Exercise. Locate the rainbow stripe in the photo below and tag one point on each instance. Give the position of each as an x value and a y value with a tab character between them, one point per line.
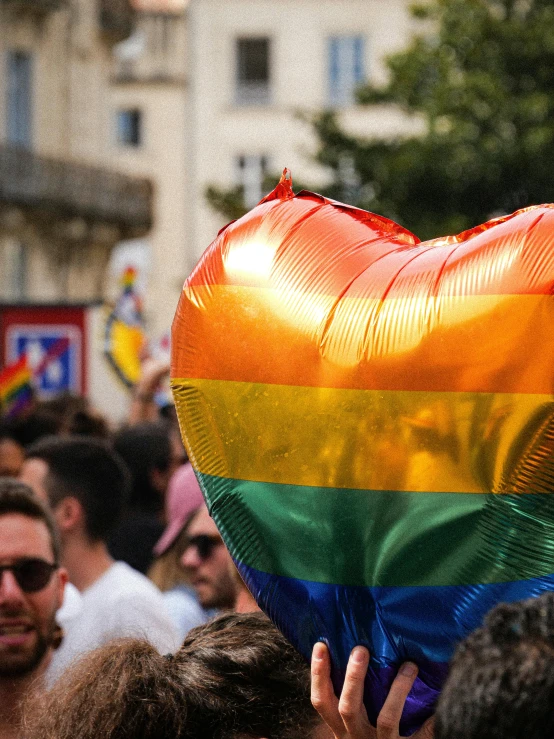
16	391
370	420
128	278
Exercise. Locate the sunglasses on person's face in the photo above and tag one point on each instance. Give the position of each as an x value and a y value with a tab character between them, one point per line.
205	544
31	574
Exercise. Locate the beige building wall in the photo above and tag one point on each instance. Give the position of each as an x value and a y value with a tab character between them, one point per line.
71	63
179	69
58	227
149	76
221	129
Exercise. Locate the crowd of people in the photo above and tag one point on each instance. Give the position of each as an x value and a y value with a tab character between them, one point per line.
122	615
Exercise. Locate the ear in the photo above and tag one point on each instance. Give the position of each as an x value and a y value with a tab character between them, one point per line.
69	514
63	579
159	480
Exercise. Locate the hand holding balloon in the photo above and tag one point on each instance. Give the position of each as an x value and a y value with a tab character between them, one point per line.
347	717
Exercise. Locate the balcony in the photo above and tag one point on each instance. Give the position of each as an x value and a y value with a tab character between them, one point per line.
117	20
34	6
57	189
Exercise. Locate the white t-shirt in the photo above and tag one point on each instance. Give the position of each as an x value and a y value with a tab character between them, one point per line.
184	609
121	603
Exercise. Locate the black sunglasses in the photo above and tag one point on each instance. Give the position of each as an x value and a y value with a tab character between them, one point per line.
205	544
31	574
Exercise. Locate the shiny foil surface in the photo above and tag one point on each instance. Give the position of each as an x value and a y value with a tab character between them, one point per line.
371	421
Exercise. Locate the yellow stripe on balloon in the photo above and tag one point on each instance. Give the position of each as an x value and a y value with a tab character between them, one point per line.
374	440
448	343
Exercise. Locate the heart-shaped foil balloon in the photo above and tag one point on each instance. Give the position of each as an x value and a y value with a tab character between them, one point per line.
371	421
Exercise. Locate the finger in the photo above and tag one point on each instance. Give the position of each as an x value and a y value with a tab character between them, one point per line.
388	720
323	696
351	703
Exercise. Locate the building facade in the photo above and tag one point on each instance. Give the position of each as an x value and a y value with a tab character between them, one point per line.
212	92
257	69
149	129
114	121
63	206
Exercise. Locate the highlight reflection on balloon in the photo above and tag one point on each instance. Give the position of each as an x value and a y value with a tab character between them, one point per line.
371	421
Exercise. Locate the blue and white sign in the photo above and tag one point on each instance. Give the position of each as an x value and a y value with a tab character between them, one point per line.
53	354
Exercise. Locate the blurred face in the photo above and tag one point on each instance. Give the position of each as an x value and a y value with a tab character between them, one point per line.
208	563
27	619
11	458
33	473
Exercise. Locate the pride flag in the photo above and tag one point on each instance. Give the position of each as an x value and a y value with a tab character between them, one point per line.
371	421
16	390
124	337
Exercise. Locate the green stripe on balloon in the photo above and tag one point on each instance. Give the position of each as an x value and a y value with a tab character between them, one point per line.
383	538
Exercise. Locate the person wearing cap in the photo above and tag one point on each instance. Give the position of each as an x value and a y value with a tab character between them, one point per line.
184	498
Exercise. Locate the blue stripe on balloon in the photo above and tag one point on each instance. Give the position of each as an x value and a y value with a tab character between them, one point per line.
421	624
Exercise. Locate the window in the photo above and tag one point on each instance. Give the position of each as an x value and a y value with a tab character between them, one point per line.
251	172
15	270
346	68
19	102
253	71
129	127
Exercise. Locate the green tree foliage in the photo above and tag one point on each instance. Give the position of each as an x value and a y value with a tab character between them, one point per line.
479	80
480	76
230	203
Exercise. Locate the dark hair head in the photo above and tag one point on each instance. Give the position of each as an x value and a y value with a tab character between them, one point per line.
89	470
87	423
16	497
242	678
145	448
124	690
36	425
236	677
501	681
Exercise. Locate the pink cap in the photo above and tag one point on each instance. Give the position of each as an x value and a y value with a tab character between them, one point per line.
184	498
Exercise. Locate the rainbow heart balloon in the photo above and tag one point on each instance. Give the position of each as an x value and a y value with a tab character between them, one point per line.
371	421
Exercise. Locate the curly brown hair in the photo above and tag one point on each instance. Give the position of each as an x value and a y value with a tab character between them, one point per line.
244	679
501	681
124	690
236	676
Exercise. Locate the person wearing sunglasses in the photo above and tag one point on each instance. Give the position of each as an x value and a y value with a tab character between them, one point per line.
31	591
208	563
84	482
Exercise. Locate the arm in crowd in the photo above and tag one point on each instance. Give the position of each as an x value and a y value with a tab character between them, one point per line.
143	406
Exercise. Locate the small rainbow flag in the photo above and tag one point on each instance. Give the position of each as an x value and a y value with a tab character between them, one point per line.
16	390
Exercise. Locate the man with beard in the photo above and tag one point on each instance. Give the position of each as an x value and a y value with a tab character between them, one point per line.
31	591
208	563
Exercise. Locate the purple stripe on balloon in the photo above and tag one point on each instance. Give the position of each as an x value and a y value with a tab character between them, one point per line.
419	705
397	624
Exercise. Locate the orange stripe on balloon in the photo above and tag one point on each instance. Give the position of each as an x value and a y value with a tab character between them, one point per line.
460	344
266	250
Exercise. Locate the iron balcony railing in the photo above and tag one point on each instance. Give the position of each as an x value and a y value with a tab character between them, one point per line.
117	19
35	6
74	190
